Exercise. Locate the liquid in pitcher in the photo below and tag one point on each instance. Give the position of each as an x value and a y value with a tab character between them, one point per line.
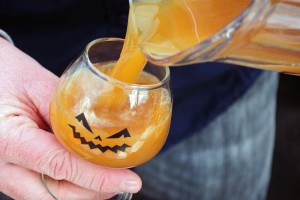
166	27
261	34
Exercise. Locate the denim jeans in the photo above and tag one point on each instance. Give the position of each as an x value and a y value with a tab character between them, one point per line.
230	159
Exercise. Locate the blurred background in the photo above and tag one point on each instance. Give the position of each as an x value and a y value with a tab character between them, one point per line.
285	179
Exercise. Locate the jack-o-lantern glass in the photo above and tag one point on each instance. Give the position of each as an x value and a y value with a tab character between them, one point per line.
106	121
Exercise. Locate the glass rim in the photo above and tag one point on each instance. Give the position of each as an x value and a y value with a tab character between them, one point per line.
206	43
116	81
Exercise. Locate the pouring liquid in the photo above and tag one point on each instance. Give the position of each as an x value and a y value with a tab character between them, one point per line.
163	28
167	27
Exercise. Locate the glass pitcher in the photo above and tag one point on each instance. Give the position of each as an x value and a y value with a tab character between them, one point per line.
265	34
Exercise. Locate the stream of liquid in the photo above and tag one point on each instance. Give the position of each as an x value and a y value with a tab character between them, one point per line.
168	27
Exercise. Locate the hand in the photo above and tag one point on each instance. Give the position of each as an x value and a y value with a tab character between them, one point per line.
28	149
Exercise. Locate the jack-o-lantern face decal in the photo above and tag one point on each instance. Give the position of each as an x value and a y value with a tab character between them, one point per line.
124	133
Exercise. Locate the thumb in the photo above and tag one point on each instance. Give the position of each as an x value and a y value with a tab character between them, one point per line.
25	76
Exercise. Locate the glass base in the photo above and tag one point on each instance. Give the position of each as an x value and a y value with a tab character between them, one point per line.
124	196
47	188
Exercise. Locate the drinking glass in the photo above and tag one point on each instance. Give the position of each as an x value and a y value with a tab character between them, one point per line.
106	121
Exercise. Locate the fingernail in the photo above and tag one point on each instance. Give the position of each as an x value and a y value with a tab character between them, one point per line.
130	186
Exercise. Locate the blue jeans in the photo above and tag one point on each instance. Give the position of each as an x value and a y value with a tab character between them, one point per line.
230	159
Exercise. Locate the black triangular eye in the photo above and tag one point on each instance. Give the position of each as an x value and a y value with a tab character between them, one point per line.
123	133
82	118
98	138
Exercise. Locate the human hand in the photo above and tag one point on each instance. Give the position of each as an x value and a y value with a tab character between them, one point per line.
28	149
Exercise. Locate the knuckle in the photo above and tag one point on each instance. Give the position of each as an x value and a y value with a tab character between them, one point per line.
4	140
9	137
4	147
13	126
95	180
57	165
102	182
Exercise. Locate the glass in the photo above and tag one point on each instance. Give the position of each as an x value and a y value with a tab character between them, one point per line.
265	34
106	121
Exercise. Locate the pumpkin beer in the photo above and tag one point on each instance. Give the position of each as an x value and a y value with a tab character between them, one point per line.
114	136
95	120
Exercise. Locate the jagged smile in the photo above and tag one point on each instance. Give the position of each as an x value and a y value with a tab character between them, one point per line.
124	133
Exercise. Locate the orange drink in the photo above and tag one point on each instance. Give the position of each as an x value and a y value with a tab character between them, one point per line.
124	134
254	33
113	108
114	111
166	27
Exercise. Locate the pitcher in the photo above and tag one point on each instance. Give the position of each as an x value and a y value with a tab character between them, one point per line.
263	34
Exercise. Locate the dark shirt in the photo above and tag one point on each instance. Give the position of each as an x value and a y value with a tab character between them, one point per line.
56	31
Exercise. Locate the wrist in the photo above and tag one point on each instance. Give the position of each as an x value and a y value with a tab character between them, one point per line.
5	36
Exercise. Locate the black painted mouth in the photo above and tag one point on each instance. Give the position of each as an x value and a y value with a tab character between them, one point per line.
92	145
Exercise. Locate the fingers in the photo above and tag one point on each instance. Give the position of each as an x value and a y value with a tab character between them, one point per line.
20	183
26	184
25	77
39	90
40	151
66	190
